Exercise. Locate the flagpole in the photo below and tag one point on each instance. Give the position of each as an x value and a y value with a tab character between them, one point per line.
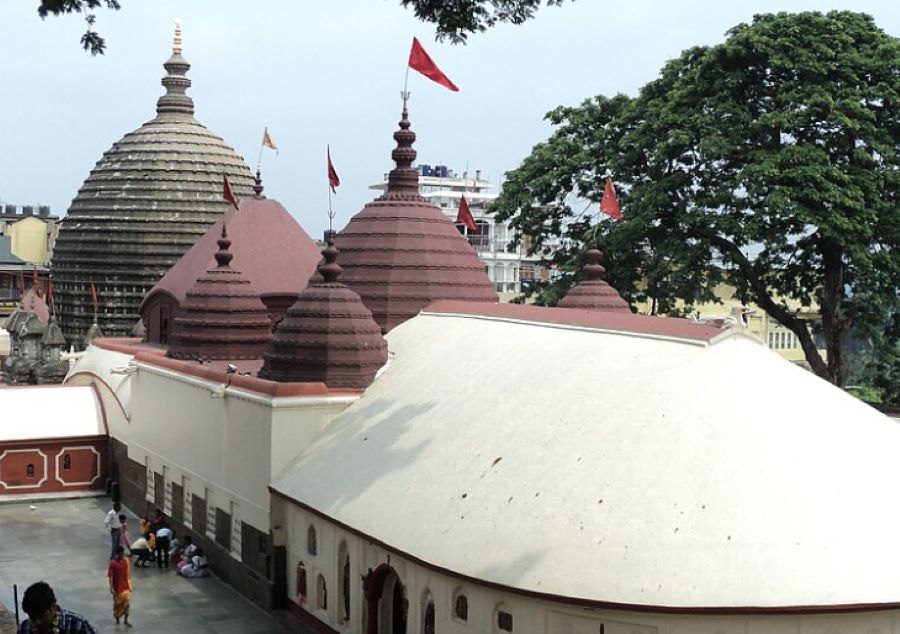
330	211
259	160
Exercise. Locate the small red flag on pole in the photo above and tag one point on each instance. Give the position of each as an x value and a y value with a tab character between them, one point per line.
227	192
464	215
420	61
49	290
94	294
333	179
608	204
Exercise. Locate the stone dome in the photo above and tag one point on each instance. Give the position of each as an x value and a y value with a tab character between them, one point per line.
327	336
147	200
401	253
593	293
221	315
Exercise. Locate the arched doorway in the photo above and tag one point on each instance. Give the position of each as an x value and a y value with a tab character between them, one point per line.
386	602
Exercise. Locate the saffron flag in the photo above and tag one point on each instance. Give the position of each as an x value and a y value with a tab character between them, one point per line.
333	179
267	140
464	215
608	204
94	293
227	192
420	60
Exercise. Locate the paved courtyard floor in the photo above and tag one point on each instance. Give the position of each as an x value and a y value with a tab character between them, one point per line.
64	543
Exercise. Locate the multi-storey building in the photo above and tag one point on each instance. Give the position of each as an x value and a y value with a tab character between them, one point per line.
508	265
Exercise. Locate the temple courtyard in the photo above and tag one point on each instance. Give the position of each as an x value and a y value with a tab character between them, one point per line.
64	543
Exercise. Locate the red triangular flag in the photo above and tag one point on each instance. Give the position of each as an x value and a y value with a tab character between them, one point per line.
333	179
49	290
94	294
608	204
227	192
464	215
420	60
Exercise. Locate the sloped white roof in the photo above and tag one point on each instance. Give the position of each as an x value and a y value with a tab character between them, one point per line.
614	466
45	412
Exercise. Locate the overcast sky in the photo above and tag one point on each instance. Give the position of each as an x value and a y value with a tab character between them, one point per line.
318	72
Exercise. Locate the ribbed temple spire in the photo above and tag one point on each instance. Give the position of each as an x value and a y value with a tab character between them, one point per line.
593	293
403	181
176	83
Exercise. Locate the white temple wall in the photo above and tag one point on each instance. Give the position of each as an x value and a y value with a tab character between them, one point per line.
530	615
181	426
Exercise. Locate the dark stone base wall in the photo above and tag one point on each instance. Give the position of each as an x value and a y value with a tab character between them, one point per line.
252	577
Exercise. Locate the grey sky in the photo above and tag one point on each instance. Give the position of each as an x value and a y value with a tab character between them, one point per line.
330	72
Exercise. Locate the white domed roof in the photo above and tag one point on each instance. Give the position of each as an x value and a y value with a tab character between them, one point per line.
614	458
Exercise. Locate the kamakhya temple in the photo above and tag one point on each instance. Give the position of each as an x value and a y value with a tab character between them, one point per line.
364	435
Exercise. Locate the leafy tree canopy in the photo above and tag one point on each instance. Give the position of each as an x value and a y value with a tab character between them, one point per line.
769	162
454	19
91	40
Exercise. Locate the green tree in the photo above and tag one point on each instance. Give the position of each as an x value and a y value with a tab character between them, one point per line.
769	161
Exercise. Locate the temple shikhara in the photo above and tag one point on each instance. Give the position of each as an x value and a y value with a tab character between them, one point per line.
361	432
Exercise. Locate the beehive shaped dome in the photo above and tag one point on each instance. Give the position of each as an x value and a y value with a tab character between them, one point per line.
593	293
401	253
327	336
222	317
147	200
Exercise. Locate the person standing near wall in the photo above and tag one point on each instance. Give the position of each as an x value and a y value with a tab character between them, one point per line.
114	526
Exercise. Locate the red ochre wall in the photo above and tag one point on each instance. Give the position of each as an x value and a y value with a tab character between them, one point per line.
85	470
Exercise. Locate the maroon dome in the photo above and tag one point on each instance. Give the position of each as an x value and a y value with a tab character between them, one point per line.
221	316
401	253
328	336
592	293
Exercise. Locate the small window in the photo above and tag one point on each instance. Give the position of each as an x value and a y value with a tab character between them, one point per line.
504	621
346	588
461	607
29	470
311	540
428	621
67	462
301	583
321	593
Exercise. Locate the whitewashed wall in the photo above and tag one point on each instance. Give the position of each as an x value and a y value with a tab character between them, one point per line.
530	616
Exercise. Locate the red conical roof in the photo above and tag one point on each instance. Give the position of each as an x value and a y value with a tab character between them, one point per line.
222	317
327	336
592	293
401	253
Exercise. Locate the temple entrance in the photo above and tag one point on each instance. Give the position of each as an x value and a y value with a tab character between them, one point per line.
386	602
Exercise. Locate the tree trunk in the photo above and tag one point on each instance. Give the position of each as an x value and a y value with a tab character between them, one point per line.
834	324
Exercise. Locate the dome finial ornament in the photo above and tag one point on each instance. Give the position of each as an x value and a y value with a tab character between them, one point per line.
330	270
176	41
223	255
258	186
403	180
176	101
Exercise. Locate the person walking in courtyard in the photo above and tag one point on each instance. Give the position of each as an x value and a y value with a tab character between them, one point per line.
45	615
119	573
114	527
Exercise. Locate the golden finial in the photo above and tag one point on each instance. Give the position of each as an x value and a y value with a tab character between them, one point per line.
176	41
